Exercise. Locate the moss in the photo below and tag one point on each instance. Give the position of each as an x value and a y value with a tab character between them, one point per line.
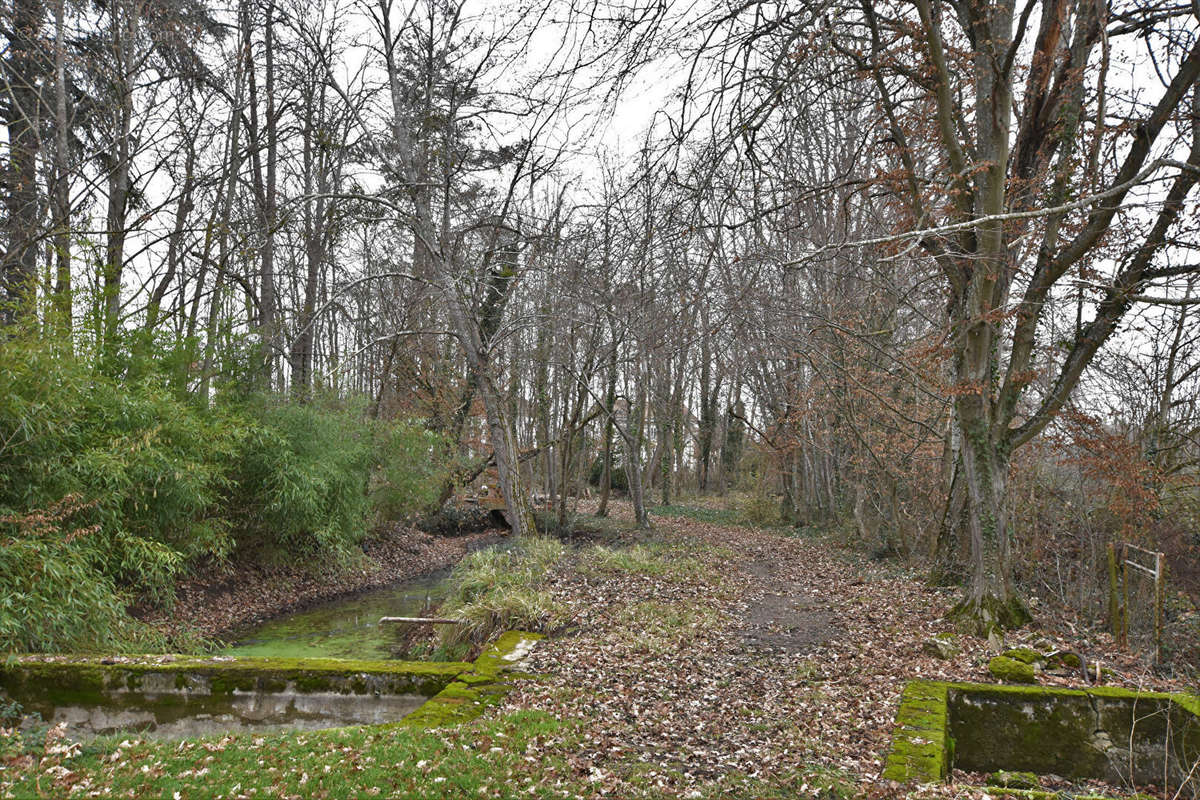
1063	661
459	691
1010	669
1013	780
1026	655
982	727
44	685
483	685
989	614
920	745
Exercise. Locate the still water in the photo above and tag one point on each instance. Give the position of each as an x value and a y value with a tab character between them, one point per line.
345	628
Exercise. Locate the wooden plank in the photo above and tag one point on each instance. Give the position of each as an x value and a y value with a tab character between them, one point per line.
421	620
1152	573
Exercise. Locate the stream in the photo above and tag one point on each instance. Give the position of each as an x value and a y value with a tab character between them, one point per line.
348	627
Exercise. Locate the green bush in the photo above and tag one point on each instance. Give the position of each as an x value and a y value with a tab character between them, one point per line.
412	468
162	483
149	466
52	596
760	509
300	480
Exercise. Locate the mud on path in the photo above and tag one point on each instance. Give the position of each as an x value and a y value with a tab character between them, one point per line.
781	617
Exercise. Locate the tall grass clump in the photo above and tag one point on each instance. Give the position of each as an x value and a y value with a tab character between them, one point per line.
501	589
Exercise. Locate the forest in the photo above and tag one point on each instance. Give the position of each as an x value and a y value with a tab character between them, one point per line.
828	344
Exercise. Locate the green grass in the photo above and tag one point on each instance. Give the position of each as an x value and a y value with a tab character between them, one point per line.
499	590
524	754
717	516
481	760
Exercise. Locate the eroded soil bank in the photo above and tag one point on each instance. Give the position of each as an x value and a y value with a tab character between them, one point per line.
223	600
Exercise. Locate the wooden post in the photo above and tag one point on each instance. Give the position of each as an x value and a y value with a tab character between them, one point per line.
1124	596
1114	599
1160	596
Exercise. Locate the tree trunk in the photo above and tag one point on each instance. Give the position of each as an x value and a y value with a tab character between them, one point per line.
18	266
61	191
610	403
124	36
990	602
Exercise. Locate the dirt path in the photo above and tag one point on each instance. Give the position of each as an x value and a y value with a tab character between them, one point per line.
780	618
754	660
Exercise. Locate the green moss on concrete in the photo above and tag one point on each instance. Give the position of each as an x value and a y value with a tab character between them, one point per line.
921	747
1009	669
1070	732
459	690
45	684
483	685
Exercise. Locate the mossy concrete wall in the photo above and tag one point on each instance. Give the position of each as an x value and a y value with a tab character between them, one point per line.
490	678
180	696
1107	733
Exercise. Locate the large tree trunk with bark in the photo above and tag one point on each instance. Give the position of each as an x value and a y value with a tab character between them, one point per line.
990	601
22	79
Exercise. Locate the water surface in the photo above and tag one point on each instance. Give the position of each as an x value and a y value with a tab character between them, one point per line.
348	627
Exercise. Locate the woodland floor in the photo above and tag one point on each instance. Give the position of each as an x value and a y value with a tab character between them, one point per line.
722	661
789	670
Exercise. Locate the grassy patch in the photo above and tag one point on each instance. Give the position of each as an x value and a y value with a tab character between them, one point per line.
486	759
717	516
739	509
645	559
498	590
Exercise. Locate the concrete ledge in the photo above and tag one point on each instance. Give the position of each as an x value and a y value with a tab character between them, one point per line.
487	681
186	695
1076	733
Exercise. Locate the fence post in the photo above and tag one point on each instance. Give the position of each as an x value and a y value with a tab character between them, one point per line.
1114	599
1124	596
1160	592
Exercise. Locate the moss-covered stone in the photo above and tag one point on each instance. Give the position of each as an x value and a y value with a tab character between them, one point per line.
1063	660
1013	780
1026	655
942	645
1009	669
